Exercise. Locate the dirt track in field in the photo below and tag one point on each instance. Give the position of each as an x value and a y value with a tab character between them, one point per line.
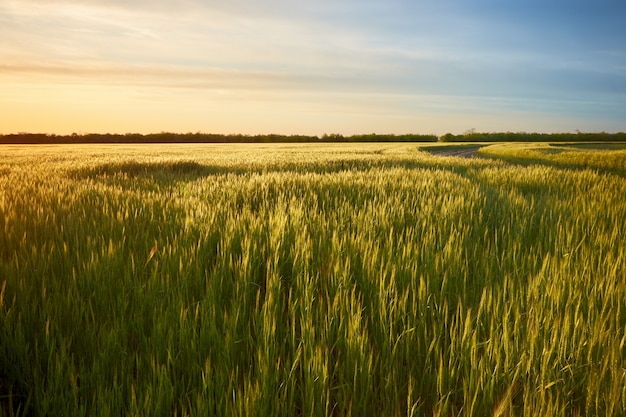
462	153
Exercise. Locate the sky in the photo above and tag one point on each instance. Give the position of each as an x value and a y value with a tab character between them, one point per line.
312	67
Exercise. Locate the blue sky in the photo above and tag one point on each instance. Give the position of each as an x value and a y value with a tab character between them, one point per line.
295	67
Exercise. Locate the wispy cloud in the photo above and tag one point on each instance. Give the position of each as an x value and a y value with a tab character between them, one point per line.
179	77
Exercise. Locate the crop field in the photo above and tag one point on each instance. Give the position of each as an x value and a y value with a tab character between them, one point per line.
312	280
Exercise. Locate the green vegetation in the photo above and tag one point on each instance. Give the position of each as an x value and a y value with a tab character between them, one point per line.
311	280
600	157
594	145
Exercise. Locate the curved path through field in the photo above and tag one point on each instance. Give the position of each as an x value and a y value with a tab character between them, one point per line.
465	152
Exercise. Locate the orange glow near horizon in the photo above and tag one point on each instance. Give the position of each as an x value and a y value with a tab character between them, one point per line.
120	67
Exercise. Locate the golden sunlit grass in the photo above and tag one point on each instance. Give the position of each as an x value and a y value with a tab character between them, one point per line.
345	279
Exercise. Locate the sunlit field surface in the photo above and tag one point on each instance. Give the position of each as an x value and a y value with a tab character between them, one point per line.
312	280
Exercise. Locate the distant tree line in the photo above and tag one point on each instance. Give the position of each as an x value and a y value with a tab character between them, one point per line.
373	137
472	136
167	137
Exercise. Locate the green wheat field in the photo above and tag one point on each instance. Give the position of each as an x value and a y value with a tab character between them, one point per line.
312	280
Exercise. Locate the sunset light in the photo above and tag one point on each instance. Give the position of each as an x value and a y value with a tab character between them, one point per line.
311	67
